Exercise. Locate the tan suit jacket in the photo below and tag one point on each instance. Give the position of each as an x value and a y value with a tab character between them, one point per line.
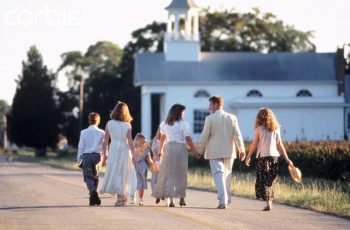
220	136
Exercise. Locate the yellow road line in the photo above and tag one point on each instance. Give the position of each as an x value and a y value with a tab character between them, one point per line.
189	218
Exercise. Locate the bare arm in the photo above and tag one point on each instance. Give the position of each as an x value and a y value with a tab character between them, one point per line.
190	143
131	145
252	147
282	151
161	145
105	146
149	159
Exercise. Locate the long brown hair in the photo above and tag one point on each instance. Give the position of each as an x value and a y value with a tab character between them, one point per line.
121	112
175	114
267	119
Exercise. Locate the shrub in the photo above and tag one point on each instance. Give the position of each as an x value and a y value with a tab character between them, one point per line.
321	159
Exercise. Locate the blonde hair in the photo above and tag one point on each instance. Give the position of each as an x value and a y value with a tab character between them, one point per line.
121	112
140	149
267	119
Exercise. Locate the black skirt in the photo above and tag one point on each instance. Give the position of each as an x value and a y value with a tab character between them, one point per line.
266	173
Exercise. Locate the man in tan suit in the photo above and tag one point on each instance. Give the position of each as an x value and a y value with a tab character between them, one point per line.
220	136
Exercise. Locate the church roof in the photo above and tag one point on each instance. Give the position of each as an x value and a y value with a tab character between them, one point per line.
181	4
216	67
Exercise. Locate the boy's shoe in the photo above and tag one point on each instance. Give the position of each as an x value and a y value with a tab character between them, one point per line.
95	198
157	201
140	203
222	206
124	200
91	201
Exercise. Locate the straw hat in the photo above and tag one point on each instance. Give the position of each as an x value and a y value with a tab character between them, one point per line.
295	173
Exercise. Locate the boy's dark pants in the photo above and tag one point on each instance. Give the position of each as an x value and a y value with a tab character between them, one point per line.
90	170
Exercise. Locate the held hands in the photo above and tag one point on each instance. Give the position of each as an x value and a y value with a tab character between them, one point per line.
196	154
241	156
104	159
247	161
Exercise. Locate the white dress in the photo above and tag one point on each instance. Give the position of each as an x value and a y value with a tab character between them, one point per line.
120	177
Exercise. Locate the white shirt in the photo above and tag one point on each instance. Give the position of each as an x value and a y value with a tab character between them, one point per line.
267	145
176	132
90	141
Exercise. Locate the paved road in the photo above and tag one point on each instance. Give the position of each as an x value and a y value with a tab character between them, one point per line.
34	196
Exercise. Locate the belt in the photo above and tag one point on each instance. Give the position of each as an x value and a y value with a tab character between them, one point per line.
91	153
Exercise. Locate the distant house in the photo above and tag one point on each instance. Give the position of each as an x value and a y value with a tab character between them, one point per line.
305	90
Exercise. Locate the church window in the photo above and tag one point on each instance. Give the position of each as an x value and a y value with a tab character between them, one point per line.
199	117
304	93
254	93
202	93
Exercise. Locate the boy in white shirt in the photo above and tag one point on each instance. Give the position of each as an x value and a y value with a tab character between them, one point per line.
89	149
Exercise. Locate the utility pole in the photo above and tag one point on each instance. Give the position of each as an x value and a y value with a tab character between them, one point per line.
81	103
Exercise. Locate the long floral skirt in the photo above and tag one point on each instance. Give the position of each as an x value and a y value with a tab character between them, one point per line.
266	173
172	175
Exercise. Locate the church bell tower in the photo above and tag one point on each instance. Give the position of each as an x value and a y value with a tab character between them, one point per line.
182	41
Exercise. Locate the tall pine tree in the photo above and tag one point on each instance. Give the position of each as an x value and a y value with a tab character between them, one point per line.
33	120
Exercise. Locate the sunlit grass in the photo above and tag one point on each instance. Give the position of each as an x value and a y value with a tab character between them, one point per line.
332	197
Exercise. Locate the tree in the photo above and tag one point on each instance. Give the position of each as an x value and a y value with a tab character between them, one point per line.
4	108
101	59
257	32
147	39
33	119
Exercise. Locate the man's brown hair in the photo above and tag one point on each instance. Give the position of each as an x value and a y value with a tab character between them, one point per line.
217	100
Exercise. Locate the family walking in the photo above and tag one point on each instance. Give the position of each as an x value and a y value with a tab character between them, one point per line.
127	160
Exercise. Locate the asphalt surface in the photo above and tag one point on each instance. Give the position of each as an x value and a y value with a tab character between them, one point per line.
33	196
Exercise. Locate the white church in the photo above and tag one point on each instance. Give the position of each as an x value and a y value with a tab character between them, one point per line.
305	90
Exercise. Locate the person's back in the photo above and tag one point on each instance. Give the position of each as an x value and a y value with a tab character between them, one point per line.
223	131
118	130
89	149
218	141
120	177
267	145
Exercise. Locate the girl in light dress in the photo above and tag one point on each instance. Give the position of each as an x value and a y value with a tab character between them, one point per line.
119	178
142	154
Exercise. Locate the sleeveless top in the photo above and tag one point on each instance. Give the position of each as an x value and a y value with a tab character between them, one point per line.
267	145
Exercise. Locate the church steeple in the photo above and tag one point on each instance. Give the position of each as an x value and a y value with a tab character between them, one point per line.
182	37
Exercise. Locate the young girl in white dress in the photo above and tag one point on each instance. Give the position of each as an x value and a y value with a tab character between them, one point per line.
120	172
142	154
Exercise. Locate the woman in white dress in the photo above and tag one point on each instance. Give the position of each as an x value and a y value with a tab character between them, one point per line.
120	176
172	178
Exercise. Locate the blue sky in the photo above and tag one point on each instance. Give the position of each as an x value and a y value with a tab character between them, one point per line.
57	26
